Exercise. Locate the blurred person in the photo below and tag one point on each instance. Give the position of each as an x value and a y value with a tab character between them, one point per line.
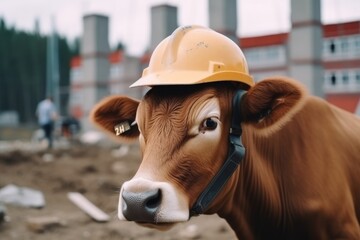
47	114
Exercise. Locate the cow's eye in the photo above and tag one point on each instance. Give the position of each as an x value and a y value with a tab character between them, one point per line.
209	124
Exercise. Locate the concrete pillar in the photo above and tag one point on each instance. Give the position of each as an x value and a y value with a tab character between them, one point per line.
130	73
305	45
223	17
163	23
95	63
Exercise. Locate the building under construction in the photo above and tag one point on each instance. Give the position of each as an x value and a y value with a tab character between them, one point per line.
326	58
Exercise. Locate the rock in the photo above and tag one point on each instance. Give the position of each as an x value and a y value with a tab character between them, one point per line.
2	213
91	137
190	232
119	168
22	196
42	224
120	152
48	157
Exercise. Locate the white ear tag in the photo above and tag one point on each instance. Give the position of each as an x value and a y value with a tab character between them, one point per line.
121	128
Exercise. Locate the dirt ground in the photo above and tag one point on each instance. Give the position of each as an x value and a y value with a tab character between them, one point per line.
97	173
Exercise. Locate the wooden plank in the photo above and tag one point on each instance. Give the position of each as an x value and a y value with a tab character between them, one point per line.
88	207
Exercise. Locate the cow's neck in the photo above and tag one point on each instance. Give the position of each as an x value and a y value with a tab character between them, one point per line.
257	199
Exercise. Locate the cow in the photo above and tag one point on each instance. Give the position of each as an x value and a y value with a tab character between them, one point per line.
272	160
299	179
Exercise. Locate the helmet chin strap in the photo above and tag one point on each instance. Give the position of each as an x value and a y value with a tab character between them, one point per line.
236	153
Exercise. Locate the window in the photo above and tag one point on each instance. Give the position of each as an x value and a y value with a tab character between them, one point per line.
272	53
252	55
325	46
357	44
345	78
332	47
116	70
342	80
333	79
75	74
357	77
344	45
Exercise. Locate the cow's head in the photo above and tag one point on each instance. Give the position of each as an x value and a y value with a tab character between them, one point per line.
183	133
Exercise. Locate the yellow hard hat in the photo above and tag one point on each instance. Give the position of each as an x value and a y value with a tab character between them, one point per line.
193	55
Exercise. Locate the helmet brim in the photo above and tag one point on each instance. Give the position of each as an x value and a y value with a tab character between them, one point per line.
191	77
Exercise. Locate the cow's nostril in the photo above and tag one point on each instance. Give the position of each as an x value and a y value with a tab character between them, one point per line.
141	206
154	200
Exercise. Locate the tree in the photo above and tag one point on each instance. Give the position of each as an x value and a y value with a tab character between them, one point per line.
23	71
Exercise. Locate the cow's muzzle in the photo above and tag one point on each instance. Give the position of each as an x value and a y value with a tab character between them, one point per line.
151	202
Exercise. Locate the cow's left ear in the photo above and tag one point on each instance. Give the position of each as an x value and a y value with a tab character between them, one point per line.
272	102
116	116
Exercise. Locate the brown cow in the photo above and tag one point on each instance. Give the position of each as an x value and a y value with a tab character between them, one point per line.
299	179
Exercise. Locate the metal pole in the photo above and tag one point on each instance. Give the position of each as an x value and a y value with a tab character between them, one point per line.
52	67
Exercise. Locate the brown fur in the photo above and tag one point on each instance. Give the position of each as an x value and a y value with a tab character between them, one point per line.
112	111
165	123
300	176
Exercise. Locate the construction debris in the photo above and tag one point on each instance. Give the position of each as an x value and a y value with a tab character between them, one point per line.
42	224
190	232
88	207
21	196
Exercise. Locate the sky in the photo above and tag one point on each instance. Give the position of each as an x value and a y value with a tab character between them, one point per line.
129	20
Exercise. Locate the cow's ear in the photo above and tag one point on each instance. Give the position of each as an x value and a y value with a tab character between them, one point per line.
116	116
272	102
